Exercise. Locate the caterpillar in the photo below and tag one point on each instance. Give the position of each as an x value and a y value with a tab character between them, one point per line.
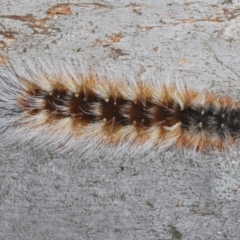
76	111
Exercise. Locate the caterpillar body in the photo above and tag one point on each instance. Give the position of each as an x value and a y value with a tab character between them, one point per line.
79	112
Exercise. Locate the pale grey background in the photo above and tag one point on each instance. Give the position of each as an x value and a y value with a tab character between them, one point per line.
170	196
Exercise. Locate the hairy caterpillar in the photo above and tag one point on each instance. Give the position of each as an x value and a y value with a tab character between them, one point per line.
49	106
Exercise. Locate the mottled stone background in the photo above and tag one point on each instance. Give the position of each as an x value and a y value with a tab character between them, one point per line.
170	196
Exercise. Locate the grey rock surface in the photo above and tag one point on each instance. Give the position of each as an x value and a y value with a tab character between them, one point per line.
170	196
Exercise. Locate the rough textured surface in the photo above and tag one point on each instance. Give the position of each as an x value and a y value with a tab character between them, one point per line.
170	196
